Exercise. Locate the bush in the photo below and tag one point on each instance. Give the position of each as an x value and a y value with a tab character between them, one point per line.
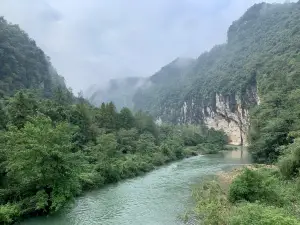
289	163
212	205
8	213
209	148
257	214
158	159
254	186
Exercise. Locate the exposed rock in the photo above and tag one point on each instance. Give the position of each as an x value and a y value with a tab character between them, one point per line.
234	123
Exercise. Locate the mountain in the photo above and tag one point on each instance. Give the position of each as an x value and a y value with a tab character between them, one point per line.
122	91
23	65
240	86
223	84
164	85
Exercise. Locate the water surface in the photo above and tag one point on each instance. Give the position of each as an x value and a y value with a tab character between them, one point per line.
158	198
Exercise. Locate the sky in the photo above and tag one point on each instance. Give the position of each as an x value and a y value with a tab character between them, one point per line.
92	41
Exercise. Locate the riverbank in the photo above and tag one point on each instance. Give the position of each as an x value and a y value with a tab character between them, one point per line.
127	167
253	194
158	197
47	159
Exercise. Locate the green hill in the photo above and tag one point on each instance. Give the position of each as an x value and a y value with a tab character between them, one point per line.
23	65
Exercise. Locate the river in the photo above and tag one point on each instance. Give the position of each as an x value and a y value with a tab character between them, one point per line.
158	198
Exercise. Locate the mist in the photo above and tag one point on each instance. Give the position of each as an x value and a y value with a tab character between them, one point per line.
90	42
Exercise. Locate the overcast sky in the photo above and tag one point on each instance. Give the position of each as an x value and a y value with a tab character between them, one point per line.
91	41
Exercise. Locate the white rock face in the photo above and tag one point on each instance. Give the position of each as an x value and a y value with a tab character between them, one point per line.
232	119
234	124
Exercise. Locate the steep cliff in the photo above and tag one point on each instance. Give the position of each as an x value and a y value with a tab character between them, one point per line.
225	112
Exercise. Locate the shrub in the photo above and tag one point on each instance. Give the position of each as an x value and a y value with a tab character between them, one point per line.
289	163
209	148
212	205
8	213
254	186
257	214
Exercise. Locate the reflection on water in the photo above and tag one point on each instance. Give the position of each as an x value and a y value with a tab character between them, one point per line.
241	154
154	199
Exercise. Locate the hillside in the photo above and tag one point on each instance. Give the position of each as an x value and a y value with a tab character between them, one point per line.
259	64
23	65
135	92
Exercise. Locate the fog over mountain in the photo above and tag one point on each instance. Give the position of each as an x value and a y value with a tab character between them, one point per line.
91	42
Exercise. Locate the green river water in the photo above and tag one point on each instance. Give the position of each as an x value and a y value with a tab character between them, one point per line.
158	198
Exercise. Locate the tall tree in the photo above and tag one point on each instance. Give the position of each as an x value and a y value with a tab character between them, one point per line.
126	119
41	163
20	107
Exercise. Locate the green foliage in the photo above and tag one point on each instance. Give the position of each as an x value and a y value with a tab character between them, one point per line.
257	214
289	163
3	117
257	196
146	143
9	212
212	206
106	117
145	123
127	140
125	119
20	107
82	117
41	162
23	65
254	186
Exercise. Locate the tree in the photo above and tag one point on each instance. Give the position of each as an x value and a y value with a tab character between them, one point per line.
82	117
42	163
20	107
106	117
145	123
3	116
127	140
125	119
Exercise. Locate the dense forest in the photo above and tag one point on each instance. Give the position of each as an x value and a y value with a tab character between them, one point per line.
53	145
23	65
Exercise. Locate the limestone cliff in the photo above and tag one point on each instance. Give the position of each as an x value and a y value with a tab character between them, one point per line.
234	123
229	113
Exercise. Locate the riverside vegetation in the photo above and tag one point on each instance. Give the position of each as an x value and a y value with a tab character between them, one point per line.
53	149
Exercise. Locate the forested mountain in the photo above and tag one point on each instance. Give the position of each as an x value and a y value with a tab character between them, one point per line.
129	91
259	64
164	86
23	65
266	34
